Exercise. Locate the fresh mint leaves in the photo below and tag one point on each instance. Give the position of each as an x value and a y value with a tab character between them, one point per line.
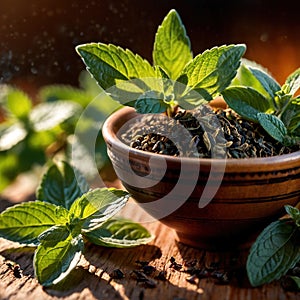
256	96
276	250
34	130
172	47
176	79
66	213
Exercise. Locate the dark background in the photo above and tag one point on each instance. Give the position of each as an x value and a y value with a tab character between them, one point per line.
38	37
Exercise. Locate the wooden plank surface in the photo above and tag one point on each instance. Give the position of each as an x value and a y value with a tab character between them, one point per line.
92	278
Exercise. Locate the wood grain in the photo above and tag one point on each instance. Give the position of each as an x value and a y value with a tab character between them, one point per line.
91	279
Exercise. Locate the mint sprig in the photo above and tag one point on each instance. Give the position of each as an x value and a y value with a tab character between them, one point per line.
32	130
172	47
69	213
176	78
256	96
276	250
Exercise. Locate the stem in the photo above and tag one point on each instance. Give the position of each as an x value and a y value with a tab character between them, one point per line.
286	104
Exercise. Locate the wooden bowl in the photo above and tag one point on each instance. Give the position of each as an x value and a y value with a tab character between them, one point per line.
244	195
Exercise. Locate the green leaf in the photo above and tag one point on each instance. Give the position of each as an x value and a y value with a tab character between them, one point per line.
274	252
61	185
11	134
97	206
193	98
247	102
109	64
9	168
291	116
24	222
273	126
172	49
54	234
46	116
150	102
214	69
89	84
19	104
246	78
294	213
293	82
119	233
54	260
296	279
52	93
268	83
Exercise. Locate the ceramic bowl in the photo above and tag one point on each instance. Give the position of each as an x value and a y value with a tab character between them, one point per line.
241	196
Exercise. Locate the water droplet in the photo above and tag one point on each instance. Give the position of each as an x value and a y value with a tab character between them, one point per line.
33	70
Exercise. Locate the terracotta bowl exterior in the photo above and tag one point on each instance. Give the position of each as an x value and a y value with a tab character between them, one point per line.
252	193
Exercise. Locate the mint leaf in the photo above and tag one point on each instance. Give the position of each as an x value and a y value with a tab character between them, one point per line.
192	98
244	77
246	101
172	46
89	84
46	116
293	82
268	83
273	126
19	104
54	234
150	102
54	260
24	222
119	233
11	134
61	185
294	213
291	116
57	92
274	252
109	64
97	206
214	69
296	279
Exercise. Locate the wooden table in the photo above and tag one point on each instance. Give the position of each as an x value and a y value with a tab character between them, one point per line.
92	278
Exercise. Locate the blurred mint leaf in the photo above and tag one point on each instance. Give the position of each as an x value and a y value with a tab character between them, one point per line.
172	49
119	233
9	163
53	93
11	135
18	103
89	84
24	222
46	116
54	259
273	126
274	252
61	185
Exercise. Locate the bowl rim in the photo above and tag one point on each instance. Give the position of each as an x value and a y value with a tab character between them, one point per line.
117	119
